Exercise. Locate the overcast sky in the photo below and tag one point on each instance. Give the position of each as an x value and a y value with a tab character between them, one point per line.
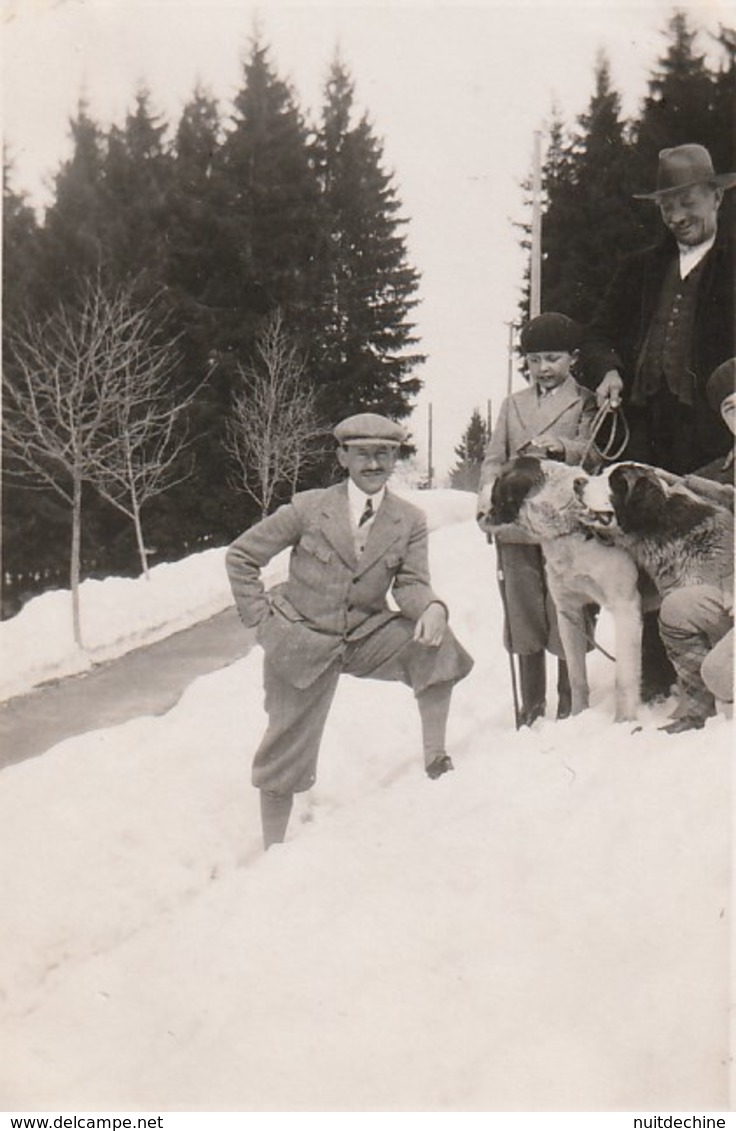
456	92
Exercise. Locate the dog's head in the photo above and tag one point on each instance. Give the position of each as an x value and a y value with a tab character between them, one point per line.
630	497
541	496
518	479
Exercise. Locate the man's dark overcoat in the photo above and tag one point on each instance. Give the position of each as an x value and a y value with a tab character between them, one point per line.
617	333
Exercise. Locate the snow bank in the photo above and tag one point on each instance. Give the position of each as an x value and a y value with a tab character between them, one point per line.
119	614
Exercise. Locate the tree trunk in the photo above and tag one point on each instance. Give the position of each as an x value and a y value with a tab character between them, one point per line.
141	545
75	560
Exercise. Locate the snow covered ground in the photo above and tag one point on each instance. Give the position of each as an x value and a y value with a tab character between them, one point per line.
546	929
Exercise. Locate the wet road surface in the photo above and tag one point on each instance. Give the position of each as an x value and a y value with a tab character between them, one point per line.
147	681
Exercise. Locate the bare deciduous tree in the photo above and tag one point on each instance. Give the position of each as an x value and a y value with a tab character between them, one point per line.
146	439
273	419
68	384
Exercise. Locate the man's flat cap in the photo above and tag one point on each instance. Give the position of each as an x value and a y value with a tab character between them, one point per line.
369	428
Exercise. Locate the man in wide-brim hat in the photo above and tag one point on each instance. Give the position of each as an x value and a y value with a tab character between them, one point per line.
666	322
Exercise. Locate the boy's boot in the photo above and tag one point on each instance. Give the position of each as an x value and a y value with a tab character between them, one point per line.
533	679
564	694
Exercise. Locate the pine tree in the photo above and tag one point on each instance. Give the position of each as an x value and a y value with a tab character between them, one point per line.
243	202
679	106
20	258
200	293
75	232
367	287
137	176
591	217
268	222
32	522
723	137
470	453
194	203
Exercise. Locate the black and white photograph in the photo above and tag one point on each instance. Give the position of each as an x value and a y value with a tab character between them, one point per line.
366	653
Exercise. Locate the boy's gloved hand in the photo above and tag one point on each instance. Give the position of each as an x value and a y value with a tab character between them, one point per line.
544	447
483	508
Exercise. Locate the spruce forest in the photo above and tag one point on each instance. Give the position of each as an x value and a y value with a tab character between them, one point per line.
202	300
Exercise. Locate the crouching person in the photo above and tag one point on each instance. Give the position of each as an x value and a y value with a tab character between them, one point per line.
696	622
351	543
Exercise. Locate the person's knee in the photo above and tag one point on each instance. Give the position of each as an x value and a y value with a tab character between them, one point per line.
693	608
717	669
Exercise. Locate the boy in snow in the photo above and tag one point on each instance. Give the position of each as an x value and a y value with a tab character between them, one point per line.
551	419
351	544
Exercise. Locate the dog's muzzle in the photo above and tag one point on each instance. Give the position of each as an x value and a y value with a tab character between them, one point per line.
595	496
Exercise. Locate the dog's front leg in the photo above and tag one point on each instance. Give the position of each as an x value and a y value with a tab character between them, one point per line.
627	620
571	623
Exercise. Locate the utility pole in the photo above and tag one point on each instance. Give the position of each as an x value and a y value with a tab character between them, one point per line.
430	469
510	359
535	274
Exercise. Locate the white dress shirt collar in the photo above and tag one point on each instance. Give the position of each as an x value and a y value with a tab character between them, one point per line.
357	500
690	257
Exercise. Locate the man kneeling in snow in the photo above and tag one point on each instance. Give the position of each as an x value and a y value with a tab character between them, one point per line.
351	544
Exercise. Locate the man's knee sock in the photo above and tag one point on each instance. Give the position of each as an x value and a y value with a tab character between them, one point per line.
275	813
434	709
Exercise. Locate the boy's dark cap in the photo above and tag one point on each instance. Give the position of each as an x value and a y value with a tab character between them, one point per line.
721	383
554	332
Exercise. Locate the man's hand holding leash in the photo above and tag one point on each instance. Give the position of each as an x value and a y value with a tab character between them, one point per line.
609	390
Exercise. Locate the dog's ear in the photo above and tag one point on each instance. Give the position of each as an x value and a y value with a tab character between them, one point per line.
516	480
642	511
621	480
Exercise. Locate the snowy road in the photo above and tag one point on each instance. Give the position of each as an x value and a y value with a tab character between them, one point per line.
147	681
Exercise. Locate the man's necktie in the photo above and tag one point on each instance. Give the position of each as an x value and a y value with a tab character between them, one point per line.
367	514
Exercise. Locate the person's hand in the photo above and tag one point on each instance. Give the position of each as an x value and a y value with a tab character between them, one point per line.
544	448
609	390
430	628
483	506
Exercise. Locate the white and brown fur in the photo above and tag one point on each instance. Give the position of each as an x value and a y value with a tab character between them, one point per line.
678	537
542	497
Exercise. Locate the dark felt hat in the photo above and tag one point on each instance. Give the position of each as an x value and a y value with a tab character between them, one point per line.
369	428
684	166
551	331
721	383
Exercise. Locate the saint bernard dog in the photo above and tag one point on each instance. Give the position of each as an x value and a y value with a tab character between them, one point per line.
676	535
543	498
